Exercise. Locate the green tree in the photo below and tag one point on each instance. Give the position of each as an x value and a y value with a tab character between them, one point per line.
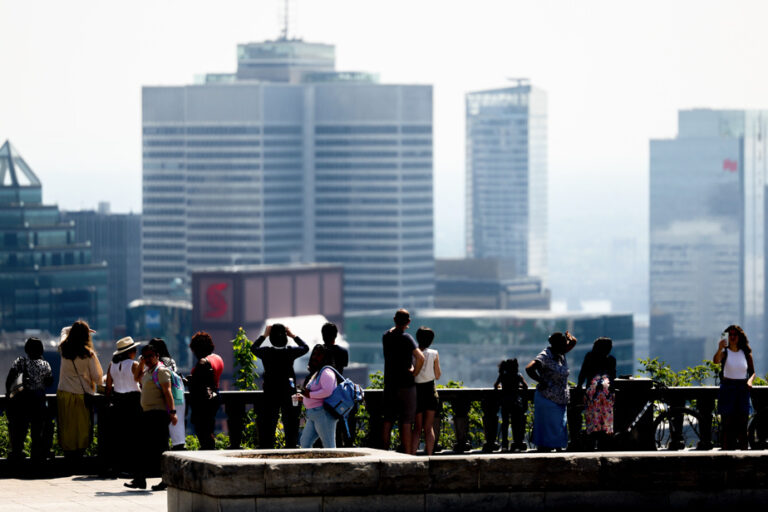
245	362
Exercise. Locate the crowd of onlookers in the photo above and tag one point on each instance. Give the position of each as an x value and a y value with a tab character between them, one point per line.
145	395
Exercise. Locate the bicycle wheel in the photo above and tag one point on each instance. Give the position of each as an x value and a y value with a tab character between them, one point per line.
677	430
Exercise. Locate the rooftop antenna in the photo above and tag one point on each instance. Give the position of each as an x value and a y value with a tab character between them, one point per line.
518	81
285	20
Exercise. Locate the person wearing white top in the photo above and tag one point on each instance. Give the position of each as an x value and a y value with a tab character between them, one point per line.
124	413
738	372
427	400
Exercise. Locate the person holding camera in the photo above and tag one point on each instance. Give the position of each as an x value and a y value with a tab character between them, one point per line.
737	373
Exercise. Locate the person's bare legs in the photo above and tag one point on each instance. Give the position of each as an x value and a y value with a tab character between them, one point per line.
429	431
416	432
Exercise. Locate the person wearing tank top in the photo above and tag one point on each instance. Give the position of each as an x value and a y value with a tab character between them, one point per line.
427	400
734	355
123	415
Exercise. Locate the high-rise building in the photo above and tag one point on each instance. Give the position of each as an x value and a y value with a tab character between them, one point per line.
116	239
506	179
47	278
707	233
289	161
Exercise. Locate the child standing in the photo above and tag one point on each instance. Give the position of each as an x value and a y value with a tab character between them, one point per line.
513	403
426	393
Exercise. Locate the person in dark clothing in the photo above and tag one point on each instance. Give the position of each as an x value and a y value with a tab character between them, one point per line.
339	354
28	408
402	361
513	403
279	384
204	388
340	360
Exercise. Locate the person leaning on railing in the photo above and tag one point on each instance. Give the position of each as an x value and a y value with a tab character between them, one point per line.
738	371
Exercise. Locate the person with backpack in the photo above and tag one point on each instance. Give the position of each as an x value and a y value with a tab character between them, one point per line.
319	385
27	407
157	413
178	431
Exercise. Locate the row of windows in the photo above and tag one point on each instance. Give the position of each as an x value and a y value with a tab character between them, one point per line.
163	177
170	258
224	143
224	167
202	130
360	165
164	247
224	225
163	223
371	130
201	155
283	130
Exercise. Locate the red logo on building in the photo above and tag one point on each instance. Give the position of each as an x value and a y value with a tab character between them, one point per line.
730	165
214	298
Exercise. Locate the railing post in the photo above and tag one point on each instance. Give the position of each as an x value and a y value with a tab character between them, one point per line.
373	405
461	424
705	406
490	405
234	407
677	438
574	409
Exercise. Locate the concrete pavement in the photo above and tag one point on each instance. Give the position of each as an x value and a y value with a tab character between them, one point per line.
77	494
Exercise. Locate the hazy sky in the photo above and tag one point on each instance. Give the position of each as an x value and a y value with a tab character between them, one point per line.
616	73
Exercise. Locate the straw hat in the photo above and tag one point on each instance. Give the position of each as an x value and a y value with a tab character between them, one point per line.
124	345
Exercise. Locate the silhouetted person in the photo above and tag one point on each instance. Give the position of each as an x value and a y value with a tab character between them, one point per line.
513	404
278	375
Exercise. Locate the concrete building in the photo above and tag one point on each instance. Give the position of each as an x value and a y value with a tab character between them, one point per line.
486	284
506	178
289	161
707	233
471	343
47	279
227	298
116	239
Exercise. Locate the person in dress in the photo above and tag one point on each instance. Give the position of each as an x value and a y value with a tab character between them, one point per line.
79	373
550	370
734	355
598	371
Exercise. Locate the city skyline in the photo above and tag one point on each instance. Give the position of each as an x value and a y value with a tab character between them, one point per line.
76	75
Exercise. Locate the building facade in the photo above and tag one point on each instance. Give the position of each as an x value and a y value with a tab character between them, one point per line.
116	239
288	161
47	279
471	343
707	233
506	178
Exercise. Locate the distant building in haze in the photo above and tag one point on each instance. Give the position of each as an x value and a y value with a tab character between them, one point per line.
116	239
47	279
506	178
486	284
708	233
289	161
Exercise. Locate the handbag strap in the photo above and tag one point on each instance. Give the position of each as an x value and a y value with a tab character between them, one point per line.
78	377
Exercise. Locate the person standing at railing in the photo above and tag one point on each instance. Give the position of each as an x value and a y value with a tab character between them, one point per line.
736	376
550	370
319	384
598	371
79	373
124	415
204	388
427	400
27	408
279	384
402	361
178	431
513	404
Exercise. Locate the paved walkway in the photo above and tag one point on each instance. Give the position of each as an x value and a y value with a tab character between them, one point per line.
77	494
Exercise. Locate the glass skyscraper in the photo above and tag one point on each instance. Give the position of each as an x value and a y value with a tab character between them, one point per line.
287	160
707	233
47	279
506	179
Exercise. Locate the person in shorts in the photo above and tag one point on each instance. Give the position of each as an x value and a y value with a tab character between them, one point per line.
402	360
427	401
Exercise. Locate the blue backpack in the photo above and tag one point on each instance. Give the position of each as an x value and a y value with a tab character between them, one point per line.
344	398
177	384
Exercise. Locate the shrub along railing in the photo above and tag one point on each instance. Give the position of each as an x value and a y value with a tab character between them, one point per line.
647	416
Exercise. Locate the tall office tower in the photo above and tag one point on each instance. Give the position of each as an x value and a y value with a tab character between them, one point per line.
47	279
116	239
707	233
288	161
506	188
